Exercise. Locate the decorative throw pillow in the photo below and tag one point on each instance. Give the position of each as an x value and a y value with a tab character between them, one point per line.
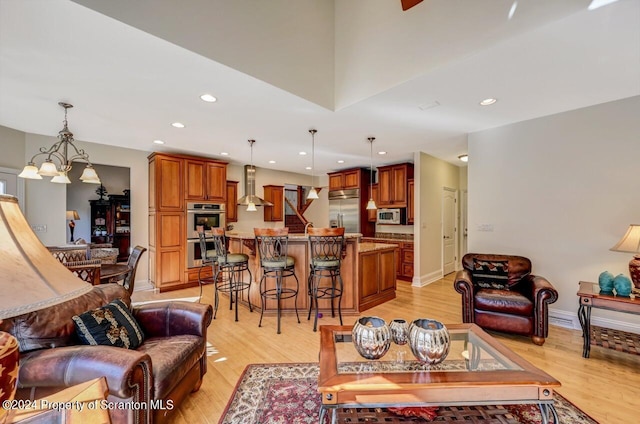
111	325
491	274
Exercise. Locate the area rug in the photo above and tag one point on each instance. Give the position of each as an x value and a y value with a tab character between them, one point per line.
287	394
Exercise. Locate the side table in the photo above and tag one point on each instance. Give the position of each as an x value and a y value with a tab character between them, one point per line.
590	297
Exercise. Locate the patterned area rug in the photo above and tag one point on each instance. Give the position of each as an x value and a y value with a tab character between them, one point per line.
287	394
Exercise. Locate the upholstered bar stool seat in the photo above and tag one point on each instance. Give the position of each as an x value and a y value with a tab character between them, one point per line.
276	264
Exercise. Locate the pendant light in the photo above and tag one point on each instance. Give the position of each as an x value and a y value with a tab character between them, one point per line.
251	207
60	157
371	205
313	194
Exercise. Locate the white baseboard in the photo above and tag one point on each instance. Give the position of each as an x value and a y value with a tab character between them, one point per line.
425	280
143	285
568	319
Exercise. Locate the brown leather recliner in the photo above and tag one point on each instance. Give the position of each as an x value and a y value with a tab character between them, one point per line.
166	367
500	293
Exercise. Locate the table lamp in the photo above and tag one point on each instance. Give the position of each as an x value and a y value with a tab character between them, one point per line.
630	242
71	215
32	279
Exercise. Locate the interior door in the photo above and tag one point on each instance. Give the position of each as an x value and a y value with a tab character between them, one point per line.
449	202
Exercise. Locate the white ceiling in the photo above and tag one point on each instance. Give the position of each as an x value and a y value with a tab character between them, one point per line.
351	69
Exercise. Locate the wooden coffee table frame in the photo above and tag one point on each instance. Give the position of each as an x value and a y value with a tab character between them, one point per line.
527	384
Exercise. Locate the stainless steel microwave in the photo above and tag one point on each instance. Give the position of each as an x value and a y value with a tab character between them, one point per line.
391	216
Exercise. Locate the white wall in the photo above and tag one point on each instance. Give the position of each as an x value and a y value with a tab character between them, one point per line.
12	144
431	176
560	190
46	202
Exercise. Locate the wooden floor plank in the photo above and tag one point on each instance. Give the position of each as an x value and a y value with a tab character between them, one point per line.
606	386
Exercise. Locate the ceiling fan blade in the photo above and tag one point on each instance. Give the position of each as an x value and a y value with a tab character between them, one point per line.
408	4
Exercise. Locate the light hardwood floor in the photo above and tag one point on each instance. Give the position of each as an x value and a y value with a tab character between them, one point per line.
606	386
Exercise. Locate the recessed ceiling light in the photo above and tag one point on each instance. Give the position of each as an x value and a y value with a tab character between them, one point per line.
302	153
177	125
382	153
272	161
307	167
464	158
340	161
158	141
224	153
208	98
487	102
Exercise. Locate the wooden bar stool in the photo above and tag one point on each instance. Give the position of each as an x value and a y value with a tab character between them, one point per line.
272	246
233	264
325	281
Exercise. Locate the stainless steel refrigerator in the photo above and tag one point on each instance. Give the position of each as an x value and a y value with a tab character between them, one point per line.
344	210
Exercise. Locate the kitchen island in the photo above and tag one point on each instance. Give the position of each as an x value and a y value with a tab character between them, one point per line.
368	274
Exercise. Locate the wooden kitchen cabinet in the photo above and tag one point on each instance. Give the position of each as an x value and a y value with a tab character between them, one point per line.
393	185
406	261
410	201
372	214
377	278
165	183
205	180
175	179
275	195
345	180
232	201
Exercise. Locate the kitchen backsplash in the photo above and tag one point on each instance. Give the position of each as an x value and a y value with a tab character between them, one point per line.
394	229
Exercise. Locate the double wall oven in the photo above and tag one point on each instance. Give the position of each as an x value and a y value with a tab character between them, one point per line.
201	217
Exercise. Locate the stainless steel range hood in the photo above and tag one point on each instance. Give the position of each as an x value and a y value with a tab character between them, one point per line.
250	189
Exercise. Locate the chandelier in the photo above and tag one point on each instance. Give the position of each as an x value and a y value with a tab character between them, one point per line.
59	159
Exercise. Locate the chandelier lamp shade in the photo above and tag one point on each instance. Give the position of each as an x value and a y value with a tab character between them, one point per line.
313	193
371	204
59	158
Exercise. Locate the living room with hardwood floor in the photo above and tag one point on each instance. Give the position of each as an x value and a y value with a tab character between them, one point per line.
606	386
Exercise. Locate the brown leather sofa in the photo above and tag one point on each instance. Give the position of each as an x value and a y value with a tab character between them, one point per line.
517	304
169	364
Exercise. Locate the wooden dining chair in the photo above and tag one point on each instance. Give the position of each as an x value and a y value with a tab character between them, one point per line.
69	253
88	270
132	263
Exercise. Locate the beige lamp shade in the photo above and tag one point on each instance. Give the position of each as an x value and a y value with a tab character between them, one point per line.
630	242
72	215
32	278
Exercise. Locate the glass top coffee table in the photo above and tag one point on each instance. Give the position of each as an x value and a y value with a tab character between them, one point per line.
479	370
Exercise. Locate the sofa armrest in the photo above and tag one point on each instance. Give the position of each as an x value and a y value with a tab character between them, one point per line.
128	372
172	318
543	294
542	291
464	286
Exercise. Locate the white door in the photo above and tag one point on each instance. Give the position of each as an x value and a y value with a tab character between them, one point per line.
449	216
463	223
11	184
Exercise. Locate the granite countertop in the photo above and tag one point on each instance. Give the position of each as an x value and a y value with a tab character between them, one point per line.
392	237
369	247
248	235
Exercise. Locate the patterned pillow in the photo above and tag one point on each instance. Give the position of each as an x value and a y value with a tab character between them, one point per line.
491	274
111	325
